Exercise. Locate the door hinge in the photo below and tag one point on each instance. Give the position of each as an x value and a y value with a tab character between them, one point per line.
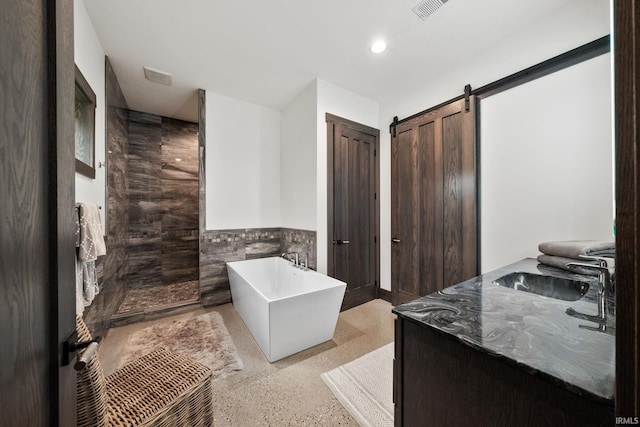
375	239
375	196
375	152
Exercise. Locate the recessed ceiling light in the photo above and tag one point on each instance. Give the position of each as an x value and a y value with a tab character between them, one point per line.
178	160
378	46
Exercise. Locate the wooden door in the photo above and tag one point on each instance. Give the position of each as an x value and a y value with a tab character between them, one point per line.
37	273
417	210
433	201
353	254
627	151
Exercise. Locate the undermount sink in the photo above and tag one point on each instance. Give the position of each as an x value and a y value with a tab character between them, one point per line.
548	286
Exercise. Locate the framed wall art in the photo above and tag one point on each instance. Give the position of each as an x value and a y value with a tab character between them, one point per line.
85	118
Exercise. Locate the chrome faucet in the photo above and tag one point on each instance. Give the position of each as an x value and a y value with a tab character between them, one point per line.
293	257
606	290
305	262
605	276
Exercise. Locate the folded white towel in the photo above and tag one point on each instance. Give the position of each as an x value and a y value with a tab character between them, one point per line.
91	239
575	248
561	262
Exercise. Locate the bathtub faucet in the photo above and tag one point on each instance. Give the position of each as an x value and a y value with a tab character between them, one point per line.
294	257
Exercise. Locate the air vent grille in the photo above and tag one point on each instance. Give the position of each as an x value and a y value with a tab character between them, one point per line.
157	76
427	7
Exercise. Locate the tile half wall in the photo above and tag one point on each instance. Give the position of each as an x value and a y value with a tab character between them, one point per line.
217	247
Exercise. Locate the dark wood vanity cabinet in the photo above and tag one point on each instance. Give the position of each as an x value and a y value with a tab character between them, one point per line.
440	381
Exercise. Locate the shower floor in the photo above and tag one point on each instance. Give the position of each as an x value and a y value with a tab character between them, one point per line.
144	303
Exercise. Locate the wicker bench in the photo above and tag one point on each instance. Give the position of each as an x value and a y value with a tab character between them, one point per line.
159	389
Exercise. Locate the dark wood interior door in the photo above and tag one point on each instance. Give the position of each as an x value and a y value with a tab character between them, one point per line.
354	211
37	271
433	202
627	151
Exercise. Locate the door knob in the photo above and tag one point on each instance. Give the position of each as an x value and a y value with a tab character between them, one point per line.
342	242
395	240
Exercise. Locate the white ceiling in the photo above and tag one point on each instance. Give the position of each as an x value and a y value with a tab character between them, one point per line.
266	52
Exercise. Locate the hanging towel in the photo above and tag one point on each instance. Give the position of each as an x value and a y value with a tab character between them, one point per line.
77	219
91	237
86	284
90	245
79	287
561	262
575	248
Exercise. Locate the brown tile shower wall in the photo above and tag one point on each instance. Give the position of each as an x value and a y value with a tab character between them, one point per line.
145	200
217	247
112	268
202	142
152	204
179	201
163	200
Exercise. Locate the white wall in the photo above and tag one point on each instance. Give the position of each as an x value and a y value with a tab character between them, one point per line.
242	164
89	57
298	162
568	27
546	163
259	177
339	102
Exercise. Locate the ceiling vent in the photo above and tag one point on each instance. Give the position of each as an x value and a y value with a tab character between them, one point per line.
427	7
157	76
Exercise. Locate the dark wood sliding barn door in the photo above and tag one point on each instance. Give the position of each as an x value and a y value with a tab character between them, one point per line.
433	207
353	214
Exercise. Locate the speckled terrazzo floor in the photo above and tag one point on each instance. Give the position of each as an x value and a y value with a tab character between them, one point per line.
290	391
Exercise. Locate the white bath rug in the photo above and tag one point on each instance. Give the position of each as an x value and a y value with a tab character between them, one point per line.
365	387
203	338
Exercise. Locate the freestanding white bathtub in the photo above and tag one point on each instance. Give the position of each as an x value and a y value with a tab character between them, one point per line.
285	308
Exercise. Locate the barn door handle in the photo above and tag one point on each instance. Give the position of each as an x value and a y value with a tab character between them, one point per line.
342	242
395	240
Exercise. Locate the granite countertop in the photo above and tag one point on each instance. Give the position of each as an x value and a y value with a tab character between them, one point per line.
530	331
